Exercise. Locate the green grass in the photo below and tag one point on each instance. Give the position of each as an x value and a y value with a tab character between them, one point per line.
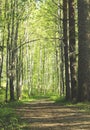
8	117
84	106
2	94
60	100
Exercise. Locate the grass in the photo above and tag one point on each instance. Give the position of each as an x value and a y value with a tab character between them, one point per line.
60	100
83	106
9	120
2	94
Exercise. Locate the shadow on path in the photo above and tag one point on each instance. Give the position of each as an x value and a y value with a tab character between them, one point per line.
46	115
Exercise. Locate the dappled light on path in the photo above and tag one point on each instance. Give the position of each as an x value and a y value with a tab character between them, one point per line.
47	115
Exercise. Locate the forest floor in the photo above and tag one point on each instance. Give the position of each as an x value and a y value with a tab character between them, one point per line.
48	115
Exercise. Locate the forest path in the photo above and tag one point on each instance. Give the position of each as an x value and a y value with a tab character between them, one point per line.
47	115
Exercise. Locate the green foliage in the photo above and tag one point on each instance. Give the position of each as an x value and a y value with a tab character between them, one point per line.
36	60
24	0
60	100
8	119
2	94
84	106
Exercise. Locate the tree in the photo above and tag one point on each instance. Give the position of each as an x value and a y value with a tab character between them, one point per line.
72	49
12	26
2	39
84	50
66	49
40	63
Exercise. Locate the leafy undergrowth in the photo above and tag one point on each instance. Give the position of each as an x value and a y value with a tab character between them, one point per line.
8	117
82	106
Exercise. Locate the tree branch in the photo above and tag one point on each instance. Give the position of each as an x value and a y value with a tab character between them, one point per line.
25	44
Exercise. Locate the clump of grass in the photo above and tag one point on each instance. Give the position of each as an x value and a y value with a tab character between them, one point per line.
2	94
8	117
84	106
60	100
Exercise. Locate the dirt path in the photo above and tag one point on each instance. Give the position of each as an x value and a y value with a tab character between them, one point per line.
46	115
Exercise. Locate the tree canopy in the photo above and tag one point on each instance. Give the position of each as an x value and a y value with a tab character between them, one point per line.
44	49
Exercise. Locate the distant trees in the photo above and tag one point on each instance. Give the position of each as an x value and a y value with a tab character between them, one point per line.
12	20
2	40
38	48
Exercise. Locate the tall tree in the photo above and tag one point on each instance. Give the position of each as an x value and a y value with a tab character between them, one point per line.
72	46
11	51
84	50
2	39
66	49
12	37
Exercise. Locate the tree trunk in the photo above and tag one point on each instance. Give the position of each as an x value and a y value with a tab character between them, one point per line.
65	40
11	52
7	48
7	62
11	89
72	44
84	50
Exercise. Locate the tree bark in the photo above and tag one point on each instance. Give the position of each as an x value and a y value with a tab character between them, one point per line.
72	48
84	50
66	47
